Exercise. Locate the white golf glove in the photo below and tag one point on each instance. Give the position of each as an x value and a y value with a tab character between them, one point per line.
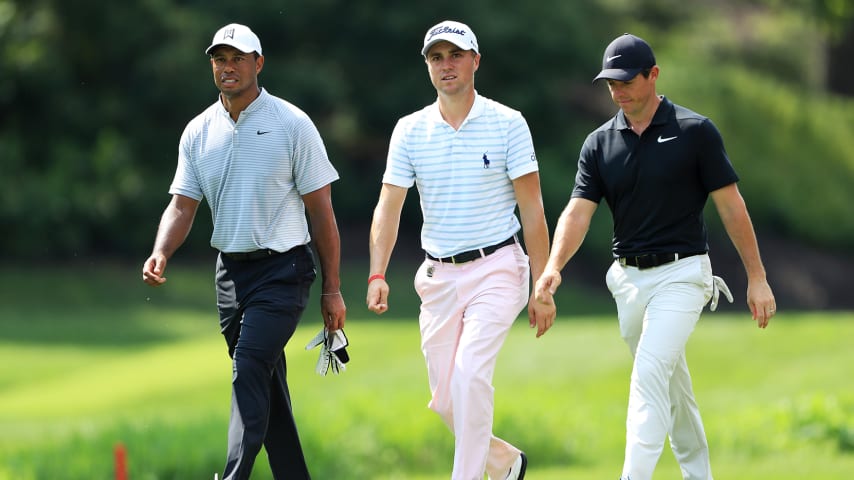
333	354
718	286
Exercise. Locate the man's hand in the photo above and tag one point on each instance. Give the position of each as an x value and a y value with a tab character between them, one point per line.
541	306
761	300
152	270
541	313
334	311
378	296
546	285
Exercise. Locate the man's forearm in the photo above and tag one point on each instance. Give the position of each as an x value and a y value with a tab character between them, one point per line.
328	244
175	225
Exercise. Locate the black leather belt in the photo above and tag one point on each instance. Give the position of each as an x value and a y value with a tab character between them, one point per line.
651	260
473	254
249	256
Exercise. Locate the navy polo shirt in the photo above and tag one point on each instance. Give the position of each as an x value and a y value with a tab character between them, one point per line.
655	184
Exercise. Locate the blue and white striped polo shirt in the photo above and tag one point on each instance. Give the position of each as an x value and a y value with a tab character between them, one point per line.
253	173
464	177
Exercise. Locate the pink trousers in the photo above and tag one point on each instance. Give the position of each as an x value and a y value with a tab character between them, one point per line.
466	312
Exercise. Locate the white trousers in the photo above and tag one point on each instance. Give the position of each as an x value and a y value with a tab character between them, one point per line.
658	309
466	313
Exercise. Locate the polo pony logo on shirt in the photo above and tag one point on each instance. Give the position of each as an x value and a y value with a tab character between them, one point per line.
485	160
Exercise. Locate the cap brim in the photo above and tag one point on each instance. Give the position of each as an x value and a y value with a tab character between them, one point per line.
440	38
621	74
243	48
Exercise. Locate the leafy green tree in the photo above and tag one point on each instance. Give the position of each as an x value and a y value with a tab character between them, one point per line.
94	96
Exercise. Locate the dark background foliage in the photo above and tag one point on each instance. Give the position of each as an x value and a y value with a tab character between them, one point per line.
94	96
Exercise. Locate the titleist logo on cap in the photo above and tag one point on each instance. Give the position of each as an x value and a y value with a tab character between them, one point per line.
445	29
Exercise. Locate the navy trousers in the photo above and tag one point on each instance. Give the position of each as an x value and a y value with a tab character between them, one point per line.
260	303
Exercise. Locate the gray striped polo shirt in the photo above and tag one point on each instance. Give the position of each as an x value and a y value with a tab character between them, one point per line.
253	173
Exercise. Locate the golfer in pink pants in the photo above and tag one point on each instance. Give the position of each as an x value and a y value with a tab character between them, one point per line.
466	312
472	160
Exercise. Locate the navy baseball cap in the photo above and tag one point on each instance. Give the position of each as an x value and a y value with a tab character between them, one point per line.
626	57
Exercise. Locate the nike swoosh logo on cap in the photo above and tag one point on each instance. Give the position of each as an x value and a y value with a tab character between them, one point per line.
662	139
612	58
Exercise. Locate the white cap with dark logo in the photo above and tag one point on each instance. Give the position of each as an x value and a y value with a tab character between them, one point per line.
455	32
237	36
626	57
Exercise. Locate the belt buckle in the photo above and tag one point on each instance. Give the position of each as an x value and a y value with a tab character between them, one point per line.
622	261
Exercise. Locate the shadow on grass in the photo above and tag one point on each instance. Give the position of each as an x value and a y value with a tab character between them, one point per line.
107	304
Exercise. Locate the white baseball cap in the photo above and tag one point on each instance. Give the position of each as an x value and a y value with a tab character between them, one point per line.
455	32
238	36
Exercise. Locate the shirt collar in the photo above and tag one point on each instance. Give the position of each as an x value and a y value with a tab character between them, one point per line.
662	113
259	101
476	110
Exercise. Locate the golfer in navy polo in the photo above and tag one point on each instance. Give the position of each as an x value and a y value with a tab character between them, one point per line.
655	164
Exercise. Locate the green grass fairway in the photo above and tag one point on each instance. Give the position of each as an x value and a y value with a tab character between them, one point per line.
103	362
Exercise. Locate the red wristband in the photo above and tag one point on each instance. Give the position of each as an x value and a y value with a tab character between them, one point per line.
376	276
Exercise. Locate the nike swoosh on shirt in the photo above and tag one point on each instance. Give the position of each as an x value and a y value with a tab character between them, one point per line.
612	58
259	132
662	139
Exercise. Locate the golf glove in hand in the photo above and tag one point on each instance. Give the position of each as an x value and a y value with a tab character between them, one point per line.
718	286
333	354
